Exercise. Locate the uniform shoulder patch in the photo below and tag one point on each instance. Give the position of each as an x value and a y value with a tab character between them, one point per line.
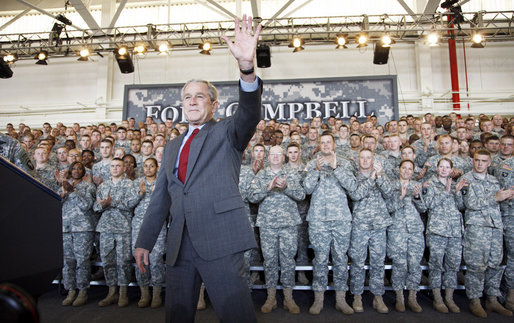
507	167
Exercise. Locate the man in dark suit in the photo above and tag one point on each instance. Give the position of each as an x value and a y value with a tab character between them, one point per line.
197	186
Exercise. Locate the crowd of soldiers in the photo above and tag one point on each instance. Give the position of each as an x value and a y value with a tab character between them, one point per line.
435	188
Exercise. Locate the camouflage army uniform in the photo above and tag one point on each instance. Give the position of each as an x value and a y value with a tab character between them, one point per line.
157	268
245	179
114	227
302	257
483	237
444	232
125	144
330	220
458	163
277	220
11	150
393	161
78	225
405	237
102	169
422	155
495	162
505	176
370	222
46	174
307	150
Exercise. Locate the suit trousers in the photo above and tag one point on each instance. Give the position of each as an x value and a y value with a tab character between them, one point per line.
224	279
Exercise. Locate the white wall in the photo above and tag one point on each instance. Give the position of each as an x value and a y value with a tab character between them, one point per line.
89	92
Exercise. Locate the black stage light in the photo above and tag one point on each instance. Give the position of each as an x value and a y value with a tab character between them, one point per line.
5	70
124	60
41	57
381	54
263	56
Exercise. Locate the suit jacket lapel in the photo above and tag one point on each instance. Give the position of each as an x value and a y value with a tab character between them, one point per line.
174	148
196	147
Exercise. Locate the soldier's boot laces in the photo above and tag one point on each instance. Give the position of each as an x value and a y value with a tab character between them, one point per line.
492	305
357	304
123	300
111	298
144	301
509	304
341	304
378	304
400	301
448	298
81	298
413	302
476	308
72	293
271	301
289	303
156	297
317	306
201	299
438	301
302	279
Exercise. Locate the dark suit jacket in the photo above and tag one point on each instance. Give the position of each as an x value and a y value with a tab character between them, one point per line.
208	204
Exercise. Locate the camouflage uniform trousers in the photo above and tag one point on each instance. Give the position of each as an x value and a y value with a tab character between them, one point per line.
406	250
115	251
252	255
376	241
156	271
77	249
302	258
508	233
445	258
279	245
330	237
482	251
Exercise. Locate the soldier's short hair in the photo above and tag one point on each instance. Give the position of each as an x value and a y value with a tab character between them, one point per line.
445	159
407	161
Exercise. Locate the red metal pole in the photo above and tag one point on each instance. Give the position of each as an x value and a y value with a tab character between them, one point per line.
454	72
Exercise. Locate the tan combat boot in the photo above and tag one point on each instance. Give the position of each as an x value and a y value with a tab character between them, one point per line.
144	301
492	305
111	298
341	304
509	304
400	301
317	306
81	298
438	301
271	301
201	299
476	308
156	297
289	303
378	304
357	304
413	302
448	298
123	300
72	293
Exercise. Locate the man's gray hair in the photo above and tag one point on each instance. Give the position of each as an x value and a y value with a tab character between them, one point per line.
213	92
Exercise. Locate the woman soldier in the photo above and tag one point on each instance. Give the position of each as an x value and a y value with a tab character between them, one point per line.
443	200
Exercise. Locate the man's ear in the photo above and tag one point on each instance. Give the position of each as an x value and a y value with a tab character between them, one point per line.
215	106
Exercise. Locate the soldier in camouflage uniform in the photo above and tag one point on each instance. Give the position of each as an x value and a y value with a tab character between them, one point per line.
78	225
483	238
328	180
370	222
425	146
11	150
445	145
444	233
405	238
295	163
505	175
310	148
116	199
101	170
277	190
156	270
246	176
44	171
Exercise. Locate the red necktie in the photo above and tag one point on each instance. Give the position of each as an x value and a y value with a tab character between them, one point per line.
184	157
